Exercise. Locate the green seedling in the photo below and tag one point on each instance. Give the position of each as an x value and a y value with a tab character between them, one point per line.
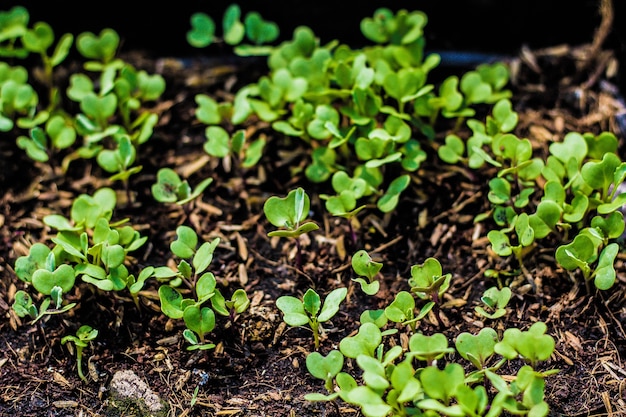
402	310
533	345
96	248
428	348
391	197
376	317
365	342
199	318
119	162
441	386
326	367
479	348
18	40
495	301
344	202
84	335
367	269
19	99
582	252
428	282
13	25
253	27
170	188
42	143
220	144
237	304
310	310
289	214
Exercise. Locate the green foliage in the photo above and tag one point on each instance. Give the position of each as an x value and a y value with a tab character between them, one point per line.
86	245
289	214
170	188
112	105
495	301
367	114
367	269
409	382
310	310
253	27
198	311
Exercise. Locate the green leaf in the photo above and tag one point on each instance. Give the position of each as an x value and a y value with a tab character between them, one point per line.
289	211
324	367
364	265
331	304
604	276
199	320
577	253
202	30
573	146
44	281
401	308
293	310
259	30
186	242
442	384
171	302
428	348
204	255
26	265
101	48
477	348
234	30
364	342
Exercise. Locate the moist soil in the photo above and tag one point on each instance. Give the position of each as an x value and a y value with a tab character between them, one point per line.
258	366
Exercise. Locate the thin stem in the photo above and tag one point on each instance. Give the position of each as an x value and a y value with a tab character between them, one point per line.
79	363
298	254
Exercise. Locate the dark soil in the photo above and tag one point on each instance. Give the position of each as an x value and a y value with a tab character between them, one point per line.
257	368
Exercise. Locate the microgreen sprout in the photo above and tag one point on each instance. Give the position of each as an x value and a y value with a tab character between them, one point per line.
495	301
289	214
254	28
310	310
367	269
325	367
170	188
428	282
84	335
199	317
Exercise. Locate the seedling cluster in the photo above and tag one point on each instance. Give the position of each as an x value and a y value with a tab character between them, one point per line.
366	119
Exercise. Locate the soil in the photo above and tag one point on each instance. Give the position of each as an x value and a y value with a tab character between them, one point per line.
258	366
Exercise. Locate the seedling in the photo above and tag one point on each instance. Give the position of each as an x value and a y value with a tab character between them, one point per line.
170	188
532	345
42	143
367	269
495	301
84	335
220	144
365	342
402	310
326	367
582	252
289	214
428	348
478	349
310	310
199	318
428	282
344	203
254	28
119	162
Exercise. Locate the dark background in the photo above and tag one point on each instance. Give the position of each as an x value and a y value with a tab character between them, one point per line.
489	26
